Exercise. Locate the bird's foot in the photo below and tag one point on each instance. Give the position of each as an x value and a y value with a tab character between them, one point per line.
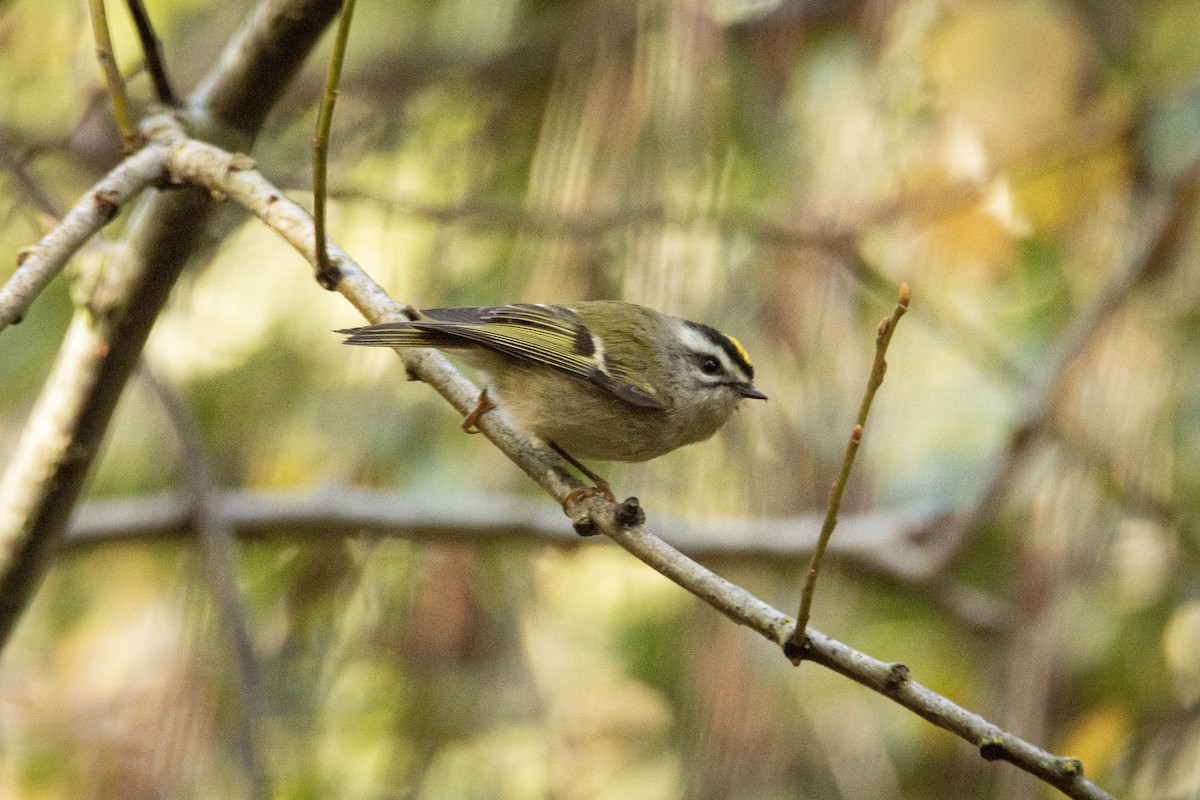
601	489
483	406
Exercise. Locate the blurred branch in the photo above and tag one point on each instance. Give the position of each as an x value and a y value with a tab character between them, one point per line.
1095	129
887	327
840	243
218	550
193	161
37	265
112	76
76	145
332	511
592	224
1181	204
259	63
326	275
102	346
16	166
484	518
888	543
152	53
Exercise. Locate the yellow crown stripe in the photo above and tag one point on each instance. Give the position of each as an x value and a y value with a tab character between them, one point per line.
741	350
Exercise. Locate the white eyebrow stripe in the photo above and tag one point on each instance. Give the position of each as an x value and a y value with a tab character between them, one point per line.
697	342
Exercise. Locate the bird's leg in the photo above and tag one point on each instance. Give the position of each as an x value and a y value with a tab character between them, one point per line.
601	486
483	406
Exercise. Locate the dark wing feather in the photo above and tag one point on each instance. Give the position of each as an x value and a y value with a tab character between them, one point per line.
539	334
398	334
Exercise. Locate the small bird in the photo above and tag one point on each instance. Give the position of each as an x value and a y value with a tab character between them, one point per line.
604	380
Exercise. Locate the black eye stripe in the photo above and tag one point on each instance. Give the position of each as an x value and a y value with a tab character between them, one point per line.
710	365
722	341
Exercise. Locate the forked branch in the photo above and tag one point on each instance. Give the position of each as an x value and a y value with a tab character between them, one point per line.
37	265
230	175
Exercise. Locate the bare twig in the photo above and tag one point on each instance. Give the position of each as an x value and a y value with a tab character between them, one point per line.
327	276
152	53
39	264
51	460
218	550
202	163
493	214
113	77
891	680
883	338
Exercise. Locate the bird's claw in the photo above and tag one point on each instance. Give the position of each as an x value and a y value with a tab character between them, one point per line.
482	406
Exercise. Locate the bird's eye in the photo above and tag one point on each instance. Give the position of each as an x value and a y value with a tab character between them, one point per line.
710	366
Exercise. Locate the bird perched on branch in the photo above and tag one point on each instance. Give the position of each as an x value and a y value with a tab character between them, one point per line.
604	380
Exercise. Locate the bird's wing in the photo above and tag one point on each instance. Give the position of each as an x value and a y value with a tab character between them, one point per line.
540	334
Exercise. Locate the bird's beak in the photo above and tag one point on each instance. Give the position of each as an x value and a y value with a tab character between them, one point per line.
748	390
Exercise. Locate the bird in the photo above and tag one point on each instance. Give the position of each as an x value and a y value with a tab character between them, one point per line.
600	380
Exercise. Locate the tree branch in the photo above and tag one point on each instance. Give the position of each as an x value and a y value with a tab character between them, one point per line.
152	53
218	551
102	346
113	77
326	275
889	544
225	173
261	60
878	541
38	265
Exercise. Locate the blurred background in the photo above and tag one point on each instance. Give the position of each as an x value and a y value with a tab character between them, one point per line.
1031	468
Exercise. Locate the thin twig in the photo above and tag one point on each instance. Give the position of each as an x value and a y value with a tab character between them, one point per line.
218	550
18	167
38	265
50	462
112	76
96	100
208	166
152	53
327	276
883	338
